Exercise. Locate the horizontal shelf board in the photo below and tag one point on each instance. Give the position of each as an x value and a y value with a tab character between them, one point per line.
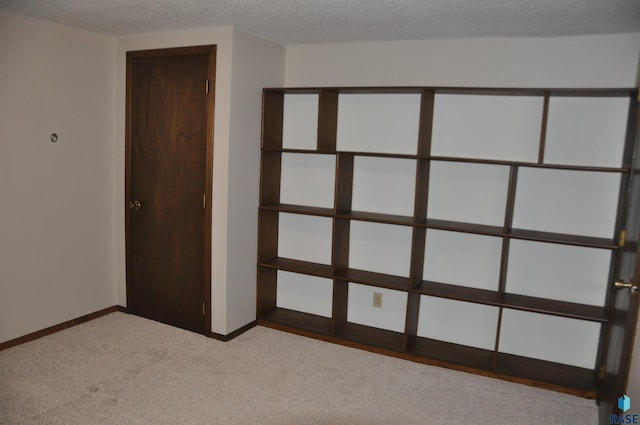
497	91
580	168
528	164
379	90
349	275
545	371
443	290
293	150
456	159
477	160
453	353
368	335
350	90
298	320
513	301
352	153
456	292
374	279
456	226
297	266
294	90
554	307
299	209
532	235
377	217
586	241
490	91
379	154
604	92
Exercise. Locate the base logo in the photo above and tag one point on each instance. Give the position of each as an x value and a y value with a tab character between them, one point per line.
624	404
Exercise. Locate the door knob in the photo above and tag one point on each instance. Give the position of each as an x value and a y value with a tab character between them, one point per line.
618	284
135	205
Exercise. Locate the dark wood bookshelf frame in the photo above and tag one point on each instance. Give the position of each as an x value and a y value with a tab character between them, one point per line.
463	160
554	376
451	226
408	344
443	290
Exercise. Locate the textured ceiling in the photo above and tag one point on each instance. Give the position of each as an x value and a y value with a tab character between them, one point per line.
318	21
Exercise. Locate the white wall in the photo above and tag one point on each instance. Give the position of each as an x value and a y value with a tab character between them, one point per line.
584	61
63	243
57	227
256	64
243	64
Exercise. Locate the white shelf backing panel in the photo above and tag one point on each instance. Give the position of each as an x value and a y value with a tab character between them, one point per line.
305	238
384	185
307	179
487	127
391	316
555	339
561	272
308	294
587	131
446	251
458	322
300	121
380	248
382	123
569	202
472	193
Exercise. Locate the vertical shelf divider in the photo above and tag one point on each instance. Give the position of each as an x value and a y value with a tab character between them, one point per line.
504	260
327	120
268	235
271	160
418	239
270	173
426	123
267	290
341	226
339	306
543	128
341	234
272	119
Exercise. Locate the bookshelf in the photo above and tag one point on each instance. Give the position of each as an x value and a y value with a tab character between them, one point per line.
488	219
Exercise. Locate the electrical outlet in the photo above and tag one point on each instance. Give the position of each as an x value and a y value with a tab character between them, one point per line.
377	299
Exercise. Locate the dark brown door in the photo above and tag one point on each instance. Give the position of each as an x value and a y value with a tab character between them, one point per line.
624	300
169	129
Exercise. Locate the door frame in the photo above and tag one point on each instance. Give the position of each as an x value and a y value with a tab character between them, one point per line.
179	51
613	385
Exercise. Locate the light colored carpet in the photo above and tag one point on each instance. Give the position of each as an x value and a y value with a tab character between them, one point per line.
122	369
